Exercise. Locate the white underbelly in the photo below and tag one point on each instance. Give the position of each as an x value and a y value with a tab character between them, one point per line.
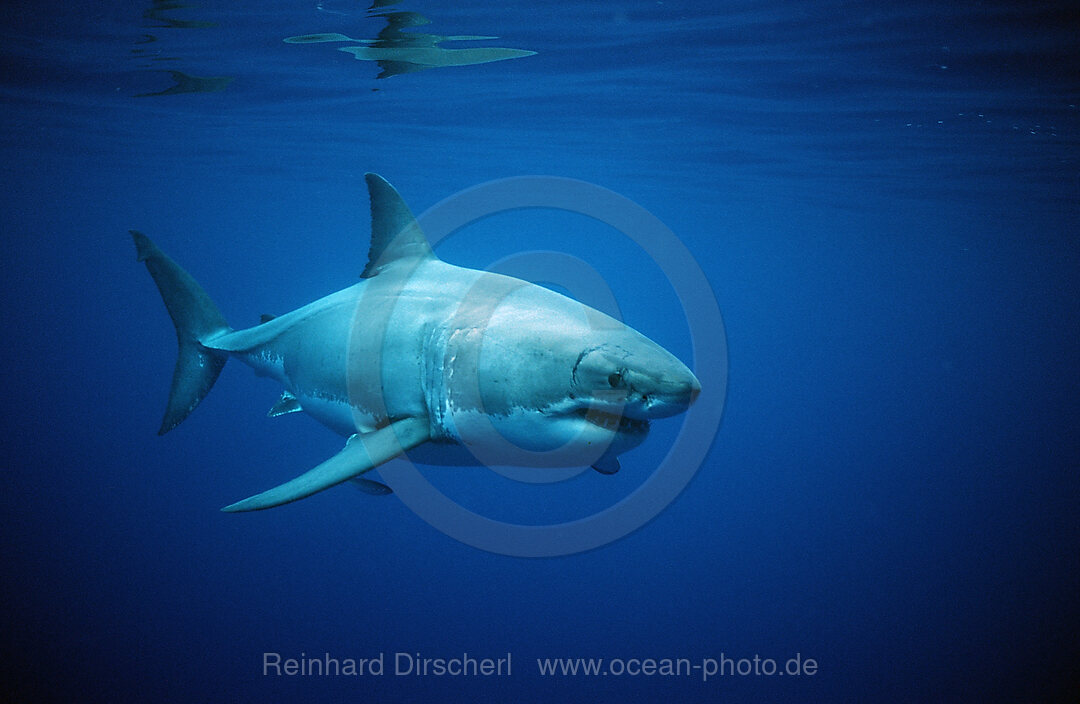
337	415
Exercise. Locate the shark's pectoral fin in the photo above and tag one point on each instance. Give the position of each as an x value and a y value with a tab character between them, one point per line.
286	404
361	453
370	486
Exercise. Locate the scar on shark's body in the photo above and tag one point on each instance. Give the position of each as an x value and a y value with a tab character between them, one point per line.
454	366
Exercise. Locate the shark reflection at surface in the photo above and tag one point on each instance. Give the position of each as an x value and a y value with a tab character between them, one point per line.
397	51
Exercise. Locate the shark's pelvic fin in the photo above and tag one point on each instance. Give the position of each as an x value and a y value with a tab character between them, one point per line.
286	404
370	486
196	319
395	234
361	453
607	465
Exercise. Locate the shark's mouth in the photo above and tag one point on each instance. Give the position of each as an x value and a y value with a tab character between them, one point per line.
615	422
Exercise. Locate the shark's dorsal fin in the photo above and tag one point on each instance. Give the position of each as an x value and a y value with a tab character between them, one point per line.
395	234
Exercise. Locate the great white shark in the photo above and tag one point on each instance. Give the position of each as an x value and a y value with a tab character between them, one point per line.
451	365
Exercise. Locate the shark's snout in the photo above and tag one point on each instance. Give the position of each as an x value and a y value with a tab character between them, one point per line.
634	377
666	396
695	389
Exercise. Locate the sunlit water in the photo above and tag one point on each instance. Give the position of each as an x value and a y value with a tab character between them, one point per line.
884	199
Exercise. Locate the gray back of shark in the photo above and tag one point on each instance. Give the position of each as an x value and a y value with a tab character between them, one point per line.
452	365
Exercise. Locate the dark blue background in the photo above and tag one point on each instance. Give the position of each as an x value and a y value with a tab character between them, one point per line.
884	198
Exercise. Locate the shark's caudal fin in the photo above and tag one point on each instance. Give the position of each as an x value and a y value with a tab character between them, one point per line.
196	319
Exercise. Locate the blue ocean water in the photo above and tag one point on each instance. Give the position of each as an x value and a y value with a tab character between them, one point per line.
883	197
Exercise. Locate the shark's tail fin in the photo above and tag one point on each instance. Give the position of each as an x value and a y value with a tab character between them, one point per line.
196	319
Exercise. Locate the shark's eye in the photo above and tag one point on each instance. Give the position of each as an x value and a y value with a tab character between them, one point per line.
615	379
